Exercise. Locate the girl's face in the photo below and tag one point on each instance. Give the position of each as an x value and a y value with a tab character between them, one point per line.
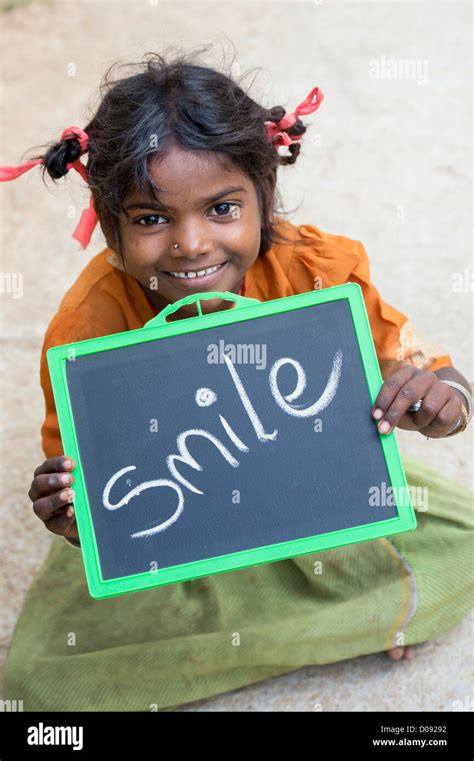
213	214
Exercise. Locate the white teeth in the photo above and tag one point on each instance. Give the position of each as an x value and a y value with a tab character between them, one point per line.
200	273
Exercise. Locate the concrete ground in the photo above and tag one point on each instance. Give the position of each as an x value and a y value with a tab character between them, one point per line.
386	161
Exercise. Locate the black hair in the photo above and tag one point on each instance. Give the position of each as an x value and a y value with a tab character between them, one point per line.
173	101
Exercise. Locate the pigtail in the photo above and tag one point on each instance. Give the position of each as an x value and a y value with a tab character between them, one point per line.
297	129
55	160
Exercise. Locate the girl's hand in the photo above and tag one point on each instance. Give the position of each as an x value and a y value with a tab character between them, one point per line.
52	497
440	410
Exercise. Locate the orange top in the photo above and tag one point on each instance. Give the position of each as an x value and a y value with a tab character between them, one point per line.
105	299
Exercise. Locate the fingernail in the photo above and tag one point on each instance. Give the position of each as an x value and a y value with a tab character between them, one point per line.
70	511
65	479
68	463
67	494
384	427
377	414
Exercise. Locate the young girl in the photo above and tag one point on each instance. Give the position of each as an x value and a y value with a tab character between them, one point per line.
182	165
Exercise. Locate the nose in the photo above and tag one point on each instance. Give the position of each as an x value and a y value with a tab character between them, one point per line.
191	241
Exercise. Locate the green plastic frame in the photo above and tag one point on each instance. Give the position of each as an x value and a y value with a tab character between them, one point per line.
157	328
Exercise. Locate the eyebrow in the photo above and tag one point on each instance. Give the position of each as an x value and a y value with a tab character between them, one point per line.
158	206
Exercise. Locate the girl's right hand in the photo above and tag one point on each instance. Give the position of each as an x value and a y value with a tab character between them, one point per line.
52	496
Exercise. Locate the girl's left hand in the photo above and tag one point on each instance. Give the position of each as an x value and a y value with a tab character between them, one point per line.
439	412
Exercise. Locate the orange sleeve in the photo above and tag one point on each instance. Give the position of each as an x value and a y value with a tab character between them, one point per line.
395	337
67	325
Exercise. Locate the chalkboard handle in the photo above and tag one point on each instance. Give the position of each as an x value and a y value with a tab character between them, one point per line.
240	301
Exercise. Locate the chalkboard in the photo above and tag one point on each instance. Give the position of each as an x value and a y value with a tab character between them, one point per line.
228	439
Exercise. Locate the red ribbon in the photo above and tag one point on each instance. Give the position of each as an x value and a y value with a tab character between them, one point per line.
88	220
310	104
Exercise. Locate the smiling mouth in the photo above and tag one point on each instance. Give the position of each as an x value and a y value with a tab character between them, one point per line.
196	274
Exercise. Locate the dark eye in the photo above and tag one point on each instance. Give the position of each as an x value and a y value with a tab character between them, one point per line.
149	216
227	203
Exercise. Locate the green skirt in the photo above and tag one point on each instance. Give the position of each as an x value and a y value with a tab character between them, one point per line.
164	647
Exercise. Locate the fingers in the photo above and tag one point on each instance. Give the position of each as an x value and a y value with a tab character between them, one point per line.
52	496
55	464
389	390
46	507
434	399
63	525
48	476
47	483
447	416
402	389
